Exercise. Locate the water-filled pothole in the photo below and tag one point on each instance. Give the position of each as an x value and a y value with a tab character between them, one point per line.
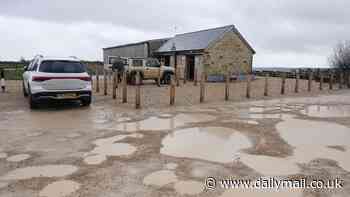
18	158
217	144
189	187
160	178
39	171
59	189
322	111
161	124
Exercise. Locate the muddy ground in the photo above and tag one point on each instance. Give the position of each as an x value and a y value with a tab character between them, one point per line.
110	149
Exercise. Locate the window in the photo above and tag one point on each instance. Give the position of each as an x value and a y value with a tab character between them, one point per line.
54	66
34	66
137	63
153	63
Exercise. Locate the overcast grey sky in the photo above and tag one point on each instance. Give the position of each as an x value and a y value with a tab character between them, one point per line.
284	33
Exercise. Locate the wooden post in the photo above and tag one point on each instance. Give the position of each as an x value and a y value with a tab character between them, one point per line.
115	74
195	76
97	79
125	90
248	85
105	81
321	80
177	76
297	76
310	81
172	90
138	91
266	88
185	75
331	80
341	81
283	84
159	77
227	87
348	78
202	88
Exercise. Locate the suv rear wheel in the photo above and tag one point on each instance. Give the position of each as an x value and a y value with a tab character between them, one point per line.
86	101
32	102
25	94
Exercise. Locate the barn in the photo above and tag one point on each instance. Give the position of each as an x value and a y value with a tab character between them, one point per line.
216	51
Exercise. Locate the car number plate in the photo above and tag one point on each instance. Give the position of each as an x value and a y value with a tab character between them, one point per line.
67	95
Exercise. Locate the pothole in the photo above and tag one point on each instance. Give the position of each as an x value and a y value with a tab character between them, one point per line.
160	178
3	155
39	171
323	111
305	132
108	147
60	189
18	158
189	187
270	166
163	124
217	144
171	166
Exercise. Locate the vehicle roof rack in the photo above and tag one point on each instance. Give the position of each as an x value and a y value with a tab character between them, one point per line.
38	55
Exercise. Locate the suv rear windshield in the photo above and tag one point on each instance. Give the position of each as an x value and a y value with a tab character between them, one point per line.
55	66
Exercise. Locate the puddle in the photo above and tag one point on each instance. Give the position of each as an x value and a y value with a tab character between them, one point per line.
270	166
305	132
111	140
34	134
3	155
189	187
271	116
161	124
62	139
108	147
73	135
171	166
95	159
39	171
59	189
18	158
3	184
116	149
165	115
123	119
304	154
217	144
252	122
160	178
243	192
322	111
100	153
311	140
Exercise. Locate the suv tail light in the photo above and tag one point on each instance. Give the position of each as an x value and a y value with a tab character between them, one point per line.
41	79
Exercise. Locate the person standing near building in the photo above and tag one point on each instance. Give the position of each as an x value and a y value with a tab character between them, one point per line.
2	80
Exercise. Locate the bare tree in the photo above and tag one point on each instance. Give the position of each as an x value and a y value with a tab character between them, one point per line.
341	56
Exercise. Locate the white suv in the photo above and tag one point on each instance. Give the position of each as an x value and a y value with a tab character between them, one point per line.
56	78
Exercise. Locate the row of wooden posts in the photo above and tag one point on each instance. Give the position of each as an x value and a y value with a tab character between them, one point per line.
175	82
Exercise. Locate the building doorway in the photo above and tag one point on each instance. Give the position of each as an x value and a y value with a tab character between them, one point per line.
167	61
190	64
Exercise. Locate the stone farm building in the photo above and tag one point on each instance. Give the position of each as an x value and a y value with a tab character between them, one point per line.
216	50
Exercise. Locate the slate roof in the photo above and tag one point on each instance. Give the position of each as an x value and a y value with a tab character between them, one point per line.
137	43
198	40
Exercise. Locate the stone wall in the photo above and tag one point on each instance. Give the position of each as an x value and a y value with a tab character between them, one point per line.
228	53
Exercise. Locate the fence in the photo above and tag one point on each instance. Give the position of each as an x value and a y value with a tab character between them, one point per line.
113	87
265	85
